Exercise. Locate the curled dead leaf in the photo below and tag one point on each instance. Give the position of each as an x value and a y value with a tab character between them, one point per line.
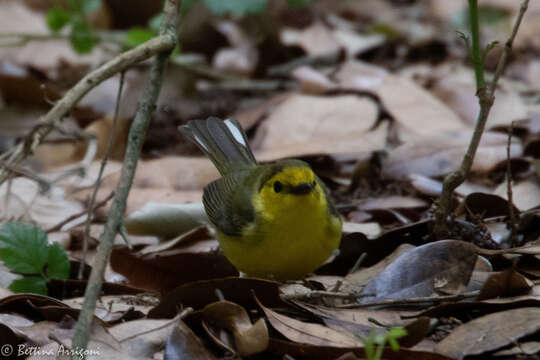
249	338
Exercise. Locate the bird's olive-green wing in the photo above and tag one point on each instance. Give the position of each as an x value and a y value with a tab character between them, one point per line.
228	203
329	201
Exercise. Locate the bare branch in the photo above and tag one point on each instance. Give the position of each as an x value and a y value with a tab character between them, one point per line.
135	141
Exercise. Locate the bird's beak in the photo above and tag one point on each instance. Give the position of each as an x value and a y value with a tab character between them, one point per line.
302	188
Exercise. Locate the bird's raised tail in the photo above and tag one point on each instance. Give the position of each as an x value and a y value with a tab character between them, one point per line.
223	141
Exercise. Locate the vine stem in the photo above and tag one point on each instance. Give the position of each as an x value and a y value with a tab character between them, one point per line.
486	98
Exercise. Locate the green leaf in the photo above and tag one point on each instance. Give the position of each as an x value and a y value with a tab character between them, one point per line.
136	36
90	5
82	38
393	343
369	349
57	262
33	284
57	18
397	332
237	7
298	3
23	247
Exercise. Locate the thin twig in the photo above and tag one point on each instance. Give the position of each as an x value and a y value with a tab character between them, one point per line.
245	85
123	61
326	59
59	226
512	221
21	39
135	141
43	184
177	318
412	301
358	263
321	294
485	98
108	150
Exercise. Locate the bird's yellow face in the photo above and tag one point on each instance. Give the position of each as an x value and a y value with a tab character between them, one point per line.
293	188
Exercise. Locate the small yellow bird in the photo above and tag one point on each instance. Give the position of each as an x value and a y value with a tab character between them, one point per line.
273	220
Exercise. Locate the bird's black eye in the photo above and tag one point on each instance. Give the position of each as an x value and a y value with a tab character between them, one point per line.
278	186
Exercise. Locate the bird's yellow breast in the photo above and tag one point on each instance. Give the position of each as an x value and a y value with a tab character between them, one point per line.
291	236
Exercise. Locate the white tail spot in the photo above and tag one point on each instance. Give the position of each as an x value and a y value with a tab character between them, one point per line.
236	132
200	142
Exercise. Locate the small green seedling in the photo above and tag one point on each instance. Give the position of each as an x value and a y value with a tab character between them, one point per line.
374	344
24	250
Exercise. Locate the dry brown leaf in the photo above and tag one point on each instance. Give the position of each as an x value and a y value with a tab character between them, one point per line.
21	200
182	343
391	202
316	39
312	81
457	89
166	180
101	343
15	320
103	129
505	283
359	145
371	229
490	332
112	307
249	338
306	118
525	194
355	43
165	270
144	337
309	125
166	220
486	205
440	154
482	270
198	294
242	57
308	333
179	173
443	266
361	316
522	348
417	112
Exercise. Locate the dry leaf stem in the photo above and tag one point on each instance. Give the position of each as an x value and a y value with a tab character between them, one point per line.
136	137
485	93
28	145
